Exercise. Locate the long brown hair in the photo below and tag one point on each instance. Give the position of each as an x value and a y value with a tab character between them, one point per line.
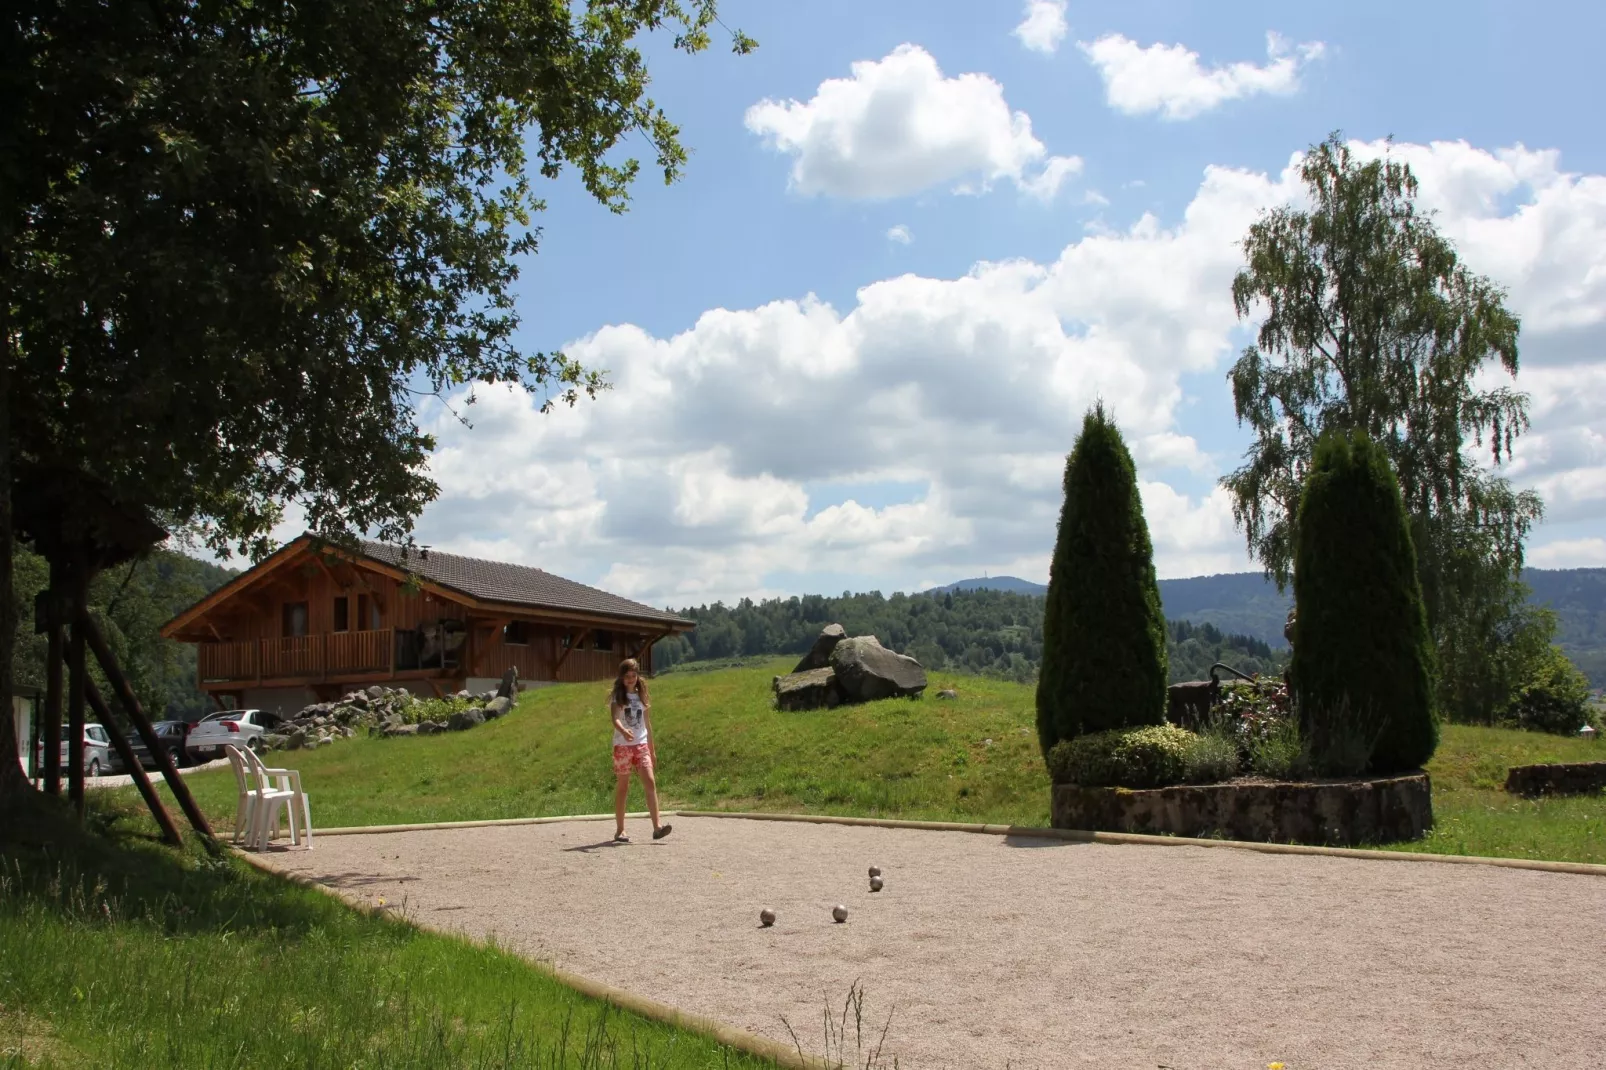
620	696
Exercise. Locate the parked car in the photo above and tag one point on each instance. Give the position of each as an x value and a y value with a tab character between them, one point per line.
170	735
243	728
99	757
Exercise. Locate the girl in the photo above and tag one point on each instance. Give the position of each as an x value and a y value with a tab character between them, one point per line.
633	748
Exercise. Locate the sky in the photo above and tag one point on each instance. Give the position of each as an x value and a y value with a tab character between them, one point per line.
916	240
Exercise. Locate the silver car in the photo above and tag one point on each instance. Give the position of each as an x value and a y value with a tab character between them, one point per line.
243	728
99	757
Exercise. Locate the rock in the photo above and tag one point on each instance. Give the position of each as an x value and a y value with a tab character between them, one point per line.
819	655
463	694
295	739
866	671
812	690
497	707
947	692
319	721
510	684
1562	778
314	744
403	694
485	696
430	728
346	731
463	720
375	692
399	730
272	741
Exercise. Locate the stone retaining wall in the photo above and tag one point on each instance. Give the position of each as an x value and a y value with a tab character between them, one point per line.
1337	813
1564	778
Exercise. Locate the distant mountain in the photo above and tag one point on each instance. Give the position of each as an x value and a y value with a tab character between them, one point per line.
1012	584
1247	603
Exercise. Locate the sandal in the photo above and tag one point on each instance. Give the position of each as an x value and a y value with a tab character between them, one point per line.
620	837
661	831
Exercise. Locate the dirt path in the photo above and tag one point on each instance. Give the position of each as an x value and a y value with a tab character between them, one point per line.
989	951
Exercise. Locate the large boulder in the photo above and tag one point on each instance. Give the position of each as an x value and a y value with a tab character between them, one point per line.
510	684
812	690
866	671
497	707
819	655
1188	704
463	720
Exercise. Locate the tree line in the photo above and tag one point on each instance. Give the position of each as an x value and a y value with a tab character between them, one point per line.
985	632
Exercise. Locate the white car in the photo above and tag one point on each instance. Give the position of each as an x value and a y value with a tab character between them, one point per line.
243	728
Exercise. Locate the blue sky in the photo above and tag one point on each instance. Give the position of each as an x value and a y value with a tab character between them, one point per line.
833	371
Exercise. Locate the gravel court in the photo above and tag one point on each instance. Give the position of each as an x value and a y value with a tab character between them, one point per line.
992	951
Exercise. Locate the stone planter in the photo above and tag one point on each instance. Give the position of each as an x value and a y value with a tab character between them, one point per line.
1564	778
1336	813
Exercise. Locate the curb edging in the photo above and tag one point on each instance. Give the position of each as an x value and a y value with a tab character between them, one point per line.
1587	869
622	999
428	826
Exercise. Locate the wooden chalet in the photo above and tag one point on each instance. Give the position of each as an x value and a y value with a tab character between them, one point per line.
313	621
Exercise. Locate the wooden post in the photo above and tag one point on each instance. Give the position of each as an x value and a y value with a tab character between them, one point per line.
50	731
574	642
77	677
135	770
136	715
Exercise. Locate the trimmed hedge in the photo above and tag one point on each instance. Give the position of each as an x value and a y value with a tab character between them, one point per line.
1362	665
1104	637
1151	757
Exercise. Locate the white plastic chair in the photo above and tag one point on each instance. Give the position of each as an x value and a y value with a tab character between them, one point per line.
245	809
277	796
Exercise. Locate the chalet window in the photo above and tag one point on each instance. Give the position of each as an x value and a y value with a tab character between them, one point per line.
295	618
342	615
368	613
602	641
517	633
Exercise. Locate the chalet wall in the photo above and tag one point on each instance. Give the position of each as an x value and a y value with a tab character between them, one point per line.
258	612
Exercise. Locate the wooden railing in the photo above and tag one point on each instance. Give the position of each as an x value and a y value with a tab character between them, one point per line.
301	656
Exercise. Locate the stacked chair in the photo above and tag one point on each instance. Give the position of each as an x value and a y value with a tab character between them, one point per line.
267	798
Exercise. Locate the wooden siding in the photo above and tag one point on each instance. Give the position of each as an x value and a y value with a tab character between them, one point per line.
249	644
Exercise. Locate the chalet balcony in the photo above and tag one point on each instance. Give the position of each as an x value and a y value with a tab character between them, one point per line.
330	656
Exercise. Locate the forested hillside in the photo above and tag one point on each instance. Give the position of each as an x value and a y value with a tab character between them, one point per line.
132	602
996	633
1247	603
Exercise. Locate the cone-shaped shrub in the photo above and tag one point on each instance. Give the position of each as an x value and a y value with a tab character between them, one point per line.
1362	665
1104	655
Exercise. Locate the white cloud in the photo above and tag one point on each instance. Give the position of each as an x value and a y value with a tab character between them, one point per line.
1170	80
1569	553
898	126
1043	27
689	481
900	234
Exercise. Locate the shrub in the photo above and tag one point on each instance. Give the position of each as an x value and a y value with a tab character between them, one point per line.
1279	753
1212	755
1104	636
1149	757
1362	664
1555	698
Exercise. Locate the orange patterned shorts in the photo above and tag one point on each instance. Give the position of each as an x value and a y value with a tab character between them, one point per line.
628	756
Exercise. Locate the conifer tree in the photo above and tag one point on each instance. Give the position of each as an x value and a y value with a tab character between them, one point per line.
1362	665
1104	651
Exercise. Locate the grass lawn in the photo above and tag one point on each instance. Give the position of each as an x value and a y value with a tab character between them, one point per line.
722	746
117	952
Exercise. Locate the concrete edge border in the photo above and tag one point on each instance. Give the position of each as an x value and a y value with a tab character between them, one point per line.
357	830
651	1009
1587	869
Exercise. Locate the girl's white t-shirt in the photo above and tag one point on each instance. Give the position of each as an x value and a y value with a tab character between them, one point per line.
634	717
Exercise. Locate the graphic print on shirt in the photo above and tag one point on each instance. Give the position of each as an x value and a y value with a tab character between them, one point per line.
633	715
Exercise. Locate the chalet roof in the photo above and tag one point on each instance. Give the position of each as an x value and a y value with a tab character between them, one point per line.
519	585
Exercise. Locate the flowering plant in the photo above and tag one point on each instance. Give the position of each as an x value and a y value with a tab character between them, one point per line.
1253	707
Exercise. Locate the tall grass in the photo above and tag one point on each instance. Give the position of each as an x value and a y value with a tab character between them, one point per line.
115	952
